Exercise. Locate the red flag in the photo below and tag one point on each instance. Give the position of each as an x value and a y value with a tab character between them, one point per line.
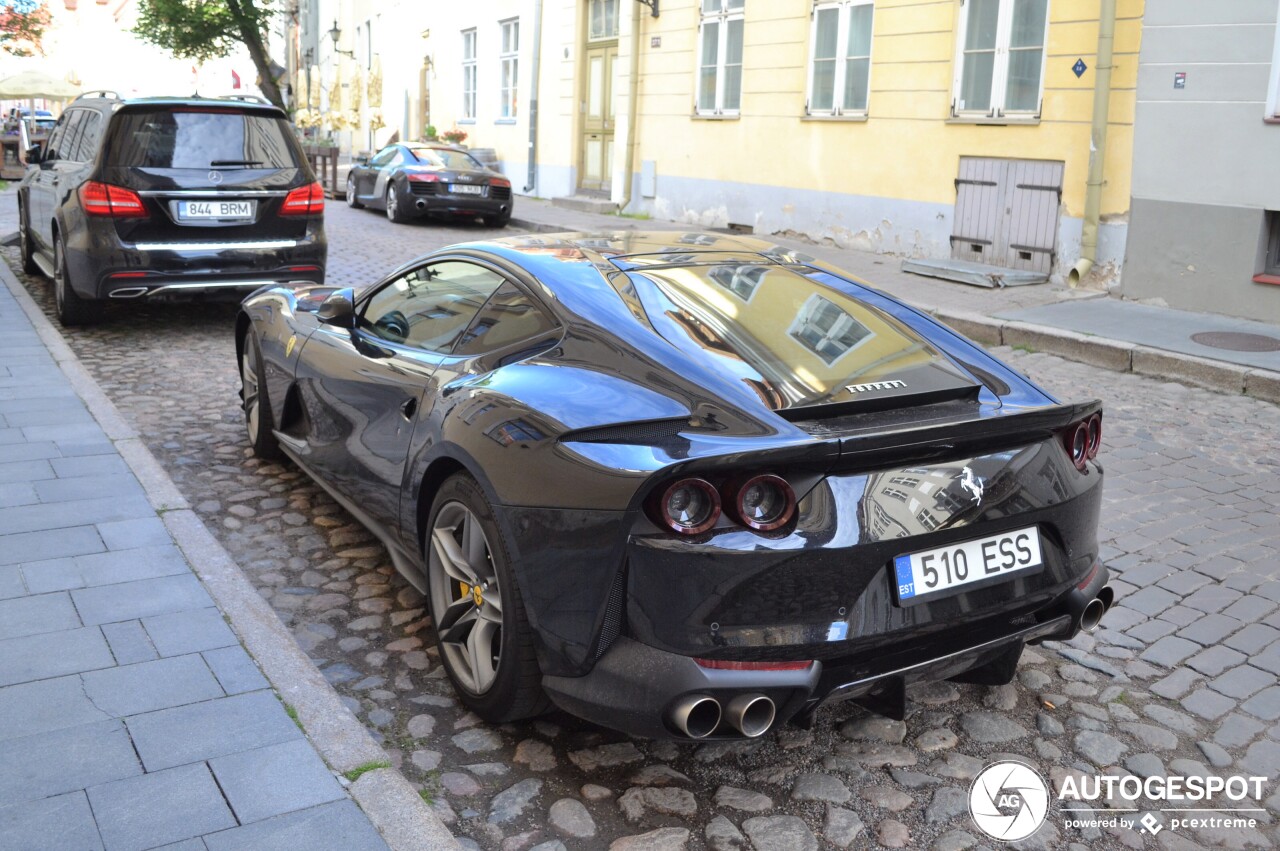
235	80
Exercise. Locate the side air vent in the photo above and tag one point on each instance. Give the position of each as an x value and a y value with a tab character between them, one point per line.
612	627
655	431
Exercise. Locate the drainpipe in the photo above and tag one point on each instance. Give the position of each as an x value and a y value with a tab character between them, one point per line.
533	97
633	107
1097	144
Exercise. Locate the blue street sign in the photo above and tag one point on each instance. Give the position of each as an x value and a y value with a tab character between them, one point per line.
1079	68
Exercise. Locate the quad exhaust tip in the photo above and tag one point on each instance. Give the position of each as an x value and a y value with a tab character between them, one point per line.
696	715
751	714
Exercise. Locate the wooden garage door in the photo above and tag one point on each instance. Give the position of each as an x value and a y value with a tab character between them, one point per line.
1007	212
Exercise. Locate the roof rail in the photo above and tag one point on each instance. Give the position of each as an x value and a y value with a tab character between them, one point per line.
100	93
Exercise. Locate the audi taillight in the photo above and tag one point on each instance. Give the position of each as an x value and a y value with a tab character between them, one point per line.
499	181
103	199
686	506
1082	440
763	503
304	201
422	177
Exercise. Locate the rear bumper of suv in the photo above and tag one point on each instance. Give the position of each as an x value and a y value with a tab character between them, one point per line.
104	267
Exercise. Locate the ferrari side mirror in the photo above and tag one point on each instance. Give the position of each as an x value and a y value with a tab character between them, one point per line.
339	309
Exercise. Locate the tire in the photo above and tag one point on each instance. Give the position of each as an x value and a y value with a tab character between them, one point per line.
25	245
511	689
71	308
255	402
498	220
351	194
394	213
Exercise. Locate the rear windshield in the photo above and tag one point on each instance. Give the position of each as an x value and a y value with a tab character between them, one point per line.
201	138
446	158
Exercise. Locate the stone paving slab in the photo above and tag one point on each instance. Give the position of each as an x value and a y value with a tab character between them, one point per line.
125	696
59	821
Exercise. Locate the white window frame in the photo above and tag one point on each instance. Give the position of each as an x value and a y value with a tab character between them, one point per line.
509	60
729	10
603	5
844	8
470	41
1273	89
1000	71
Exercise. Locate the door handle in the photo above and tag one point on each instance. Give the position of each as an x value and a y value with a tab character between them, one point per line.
409	408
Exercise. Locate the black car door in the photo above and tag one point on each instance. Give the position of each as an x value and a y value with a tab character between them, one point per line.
44	188
367	184
365	389
385	164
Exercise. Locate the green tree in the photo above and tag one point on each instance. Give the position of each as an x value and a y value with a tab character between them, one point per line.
22	25
209	29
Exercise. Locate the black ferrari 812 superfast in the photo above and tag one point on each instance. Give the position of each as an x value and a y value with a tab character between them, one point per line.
684	485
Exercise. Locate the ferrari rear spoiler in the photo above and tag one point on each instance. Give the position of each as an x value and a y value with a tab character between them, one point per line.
869	442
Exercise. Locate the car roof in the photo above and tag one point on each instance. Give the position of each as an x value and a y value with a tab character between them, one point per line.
134	104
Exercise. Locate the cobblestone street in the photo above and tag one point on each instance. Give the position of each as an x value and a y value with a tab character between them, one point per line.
1182	678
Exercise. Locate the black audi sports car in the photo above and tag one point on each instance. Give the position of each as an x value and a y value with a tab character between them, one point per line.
421	179
682	485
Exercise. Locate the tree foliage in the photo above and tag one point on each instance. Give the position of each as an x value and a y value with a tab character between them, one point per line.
210	29
22	26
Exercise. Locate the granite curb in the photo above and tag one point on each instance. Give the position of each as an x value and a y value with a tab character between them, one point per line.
1117	355
395	809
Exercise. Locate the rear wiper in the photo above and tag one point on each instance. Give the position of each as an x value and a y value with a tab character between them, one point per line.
217	163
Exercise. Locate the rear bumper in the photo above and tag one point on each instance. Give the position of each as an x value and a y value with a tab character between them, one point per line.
458	205
103	266
636	688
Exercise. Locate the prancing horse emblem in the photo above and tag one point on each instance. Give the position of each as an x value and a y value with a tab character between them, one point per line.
972	484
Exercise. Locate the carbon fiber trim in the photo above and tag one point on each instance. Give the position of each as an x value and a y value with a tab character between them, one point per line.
613	612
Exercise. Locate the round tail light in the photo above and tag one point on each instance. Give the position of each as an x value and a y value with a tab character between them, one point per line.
686	507
763	503
1095	435
1078	445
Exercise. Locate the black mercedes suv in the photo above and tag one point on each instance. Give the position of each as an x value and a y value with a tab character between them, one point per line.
159	198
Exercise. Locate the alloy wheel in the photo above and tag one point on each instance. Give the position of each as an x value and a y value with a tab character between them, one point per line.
392	202
466	598
351	191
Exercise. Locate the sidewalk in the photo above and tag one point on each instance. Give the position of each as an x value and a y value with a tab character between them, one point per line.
1082	325
132	716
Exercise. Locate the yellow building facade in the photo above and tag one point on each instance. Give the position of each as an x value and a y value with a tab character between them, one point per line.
926	128
879	170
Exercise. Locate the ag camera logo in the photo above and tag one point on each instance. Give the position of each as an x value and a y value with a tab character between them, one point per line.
1008	801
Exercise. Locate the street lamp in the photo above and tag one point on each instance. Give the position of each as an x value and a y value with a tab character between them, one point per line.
336	34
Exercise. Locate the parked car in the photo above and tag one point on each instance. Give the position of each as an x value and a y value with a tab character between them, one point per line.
44	119
684	485
420	179
169	197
